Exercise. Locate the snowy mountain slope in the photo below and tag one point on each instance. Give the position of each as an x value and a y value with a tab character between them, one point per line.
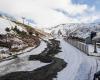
4	23
21	19
22	23
15	36
74	29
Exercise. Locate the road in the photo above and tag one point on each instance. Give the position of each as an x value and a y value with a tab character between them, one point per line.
80	66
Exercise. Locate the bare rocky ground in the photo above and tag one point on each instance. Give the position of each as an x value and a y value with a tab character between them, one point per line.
47	72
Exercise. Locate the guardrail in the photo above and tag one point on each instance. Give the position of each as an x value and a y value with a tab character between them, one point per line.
79	45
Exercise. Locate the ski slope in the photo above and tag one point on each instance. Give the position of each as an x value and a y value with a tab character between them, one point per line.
80	66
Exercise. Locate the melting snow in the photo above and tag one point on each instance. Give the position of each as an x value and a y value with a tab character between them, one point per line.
21	63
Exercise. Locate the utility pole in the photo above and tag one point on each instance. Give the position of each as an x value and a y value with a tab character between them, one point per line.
23	19
95	47
28	22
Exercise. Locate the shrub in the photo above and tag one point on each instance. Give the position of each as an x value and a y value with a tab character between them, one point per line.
7	29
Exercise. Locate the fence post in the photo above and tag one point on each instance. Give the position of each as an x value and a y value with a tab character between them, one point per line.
87	49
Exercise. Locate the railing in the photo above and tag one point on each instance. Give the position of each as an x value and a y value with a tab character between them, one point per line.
79	45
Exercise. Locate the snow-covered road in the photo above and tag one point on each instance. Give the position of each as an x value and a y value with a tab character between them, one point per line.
21	63
80	66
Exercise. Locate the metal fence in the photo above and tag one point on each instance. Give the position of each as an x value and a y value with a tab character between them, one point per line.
79	45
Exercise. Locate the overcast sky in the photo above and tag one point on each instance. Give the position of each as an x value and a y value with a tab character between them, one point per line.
52	12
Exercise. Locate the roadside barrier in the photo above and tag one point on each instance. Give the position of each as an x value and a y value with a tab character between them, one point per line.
79	45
